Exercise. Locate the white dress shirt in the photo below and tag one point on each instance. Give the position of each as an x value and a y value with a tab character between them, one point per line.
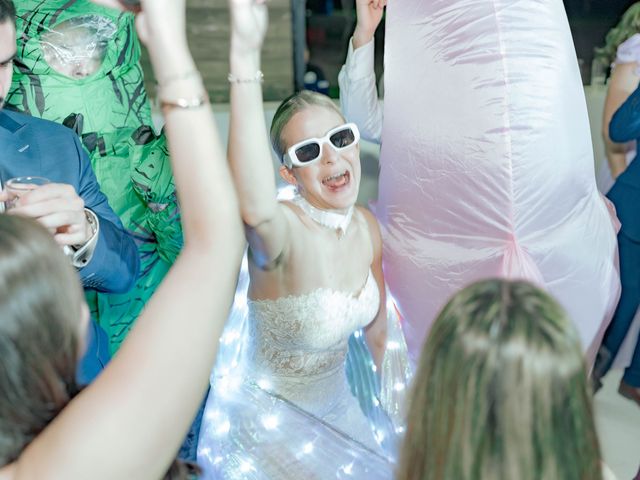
358	93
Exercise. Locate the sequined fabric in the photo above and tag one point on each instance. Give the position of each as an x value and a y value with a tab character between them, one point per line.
292	414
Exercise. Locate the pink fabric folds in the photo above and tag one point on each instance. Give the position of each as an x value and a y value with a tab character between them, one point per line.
486	163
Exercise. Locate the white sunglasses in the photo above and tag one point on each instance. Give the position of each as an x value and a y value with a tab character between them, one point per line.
309	151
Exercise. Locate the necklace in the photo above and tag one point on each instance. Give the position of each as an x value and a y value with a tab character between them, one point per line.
333	219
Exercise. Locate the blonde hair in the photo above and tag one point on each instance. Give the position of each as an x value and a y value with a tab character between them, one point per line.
501	392
40	316
288	108
628	26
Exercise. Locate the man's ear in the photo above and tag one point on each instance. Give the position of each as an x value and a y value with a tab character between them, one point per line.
287	175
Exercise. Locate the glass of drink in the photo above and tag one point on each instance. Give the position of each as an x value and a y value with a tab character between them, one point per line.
18	186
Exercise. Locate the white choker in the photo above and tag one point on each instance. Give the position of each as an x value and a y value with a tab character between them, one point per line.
333	219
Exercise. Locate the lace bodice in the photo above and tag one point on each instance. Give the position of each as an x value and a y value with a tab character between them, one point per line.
298	341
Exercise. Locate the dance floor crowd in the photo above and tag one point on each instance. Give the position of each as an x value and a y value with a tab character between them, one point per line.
167	312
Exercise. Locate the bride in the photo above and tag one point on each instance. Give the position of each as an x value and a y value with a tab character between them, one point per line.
315	278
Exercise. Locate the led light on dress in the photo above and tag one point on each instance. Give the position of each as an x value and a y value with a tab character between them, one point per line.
281	405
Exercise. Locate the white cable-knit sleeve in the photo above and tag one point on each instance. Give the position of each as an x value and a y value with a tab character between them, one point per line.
358	94
629	52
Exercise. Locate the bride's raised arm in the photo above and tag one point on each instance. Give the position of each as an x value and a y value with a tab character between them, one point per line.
249	149
140	408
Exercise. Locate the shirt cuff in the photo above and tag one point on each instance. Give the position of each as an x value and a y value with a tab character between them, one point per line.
359	63
84	253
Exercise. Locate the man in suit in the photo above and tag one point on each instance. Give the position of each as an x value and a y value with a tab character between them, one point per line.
625	195
71	206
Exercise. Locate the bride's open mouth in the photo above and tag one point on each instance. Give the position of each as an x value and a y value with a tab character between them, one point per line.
337	181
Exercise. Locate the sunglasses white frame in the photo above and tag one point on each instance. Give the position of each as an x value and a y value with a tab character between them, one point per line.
290	159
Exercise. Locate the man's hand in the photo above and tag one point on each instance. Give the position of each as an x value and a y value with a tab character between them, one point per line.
369	14
59	208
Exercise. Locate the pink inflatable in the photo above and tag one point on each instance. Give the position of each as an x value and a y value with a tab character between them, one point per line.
486	163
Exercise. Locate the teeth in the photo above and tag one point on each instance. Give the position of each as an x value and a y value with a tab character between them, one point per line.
334	177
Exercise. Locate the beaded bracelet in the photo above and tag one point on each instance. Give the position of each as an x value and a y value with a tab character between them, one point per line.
258	78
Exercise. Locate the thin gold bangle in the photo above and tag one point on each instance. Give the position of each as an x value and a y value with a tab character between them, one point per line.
184	103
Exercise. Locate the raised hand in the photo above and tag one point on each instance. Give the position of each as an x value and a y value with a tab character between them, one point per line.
249	21
369	14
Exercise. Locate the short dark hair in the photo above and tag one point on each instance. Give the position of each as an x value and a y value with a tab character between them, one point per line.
7	11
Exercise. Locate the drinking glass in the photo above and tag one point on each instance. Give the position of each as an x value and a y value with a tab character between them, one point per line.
18	186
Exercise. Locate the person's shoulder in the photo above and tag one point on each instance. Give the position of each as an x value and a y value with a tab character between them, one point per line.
372	225
7	472
368	216
629	50
39	125
293	212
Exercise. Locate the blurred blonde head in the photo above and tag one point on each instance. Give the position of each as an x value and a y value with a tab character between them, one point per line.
628	26
43	319
501	392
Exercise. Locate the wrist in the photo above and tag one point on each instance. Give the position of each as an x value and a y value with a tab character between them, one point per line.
242	64
174	58
361	37
81	255
90	225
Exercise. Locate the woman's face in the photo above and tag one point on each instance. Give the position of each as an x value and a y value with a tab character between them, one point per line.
333	181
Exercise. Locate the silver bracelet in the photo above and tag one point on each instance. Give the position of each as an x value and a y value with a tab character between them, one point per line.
257	78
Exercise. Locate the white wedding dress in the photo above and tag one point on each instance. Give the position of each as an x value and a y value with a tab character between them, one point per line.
286	411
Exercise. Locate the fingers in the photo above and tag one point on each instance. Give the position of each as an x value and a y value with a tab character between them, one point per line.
47	207
72	236
58	208
48	192
69	227
69	239
67	221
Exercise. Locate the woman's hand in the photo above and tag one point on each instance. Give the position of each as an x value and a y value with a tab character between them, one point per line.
369	14
249	21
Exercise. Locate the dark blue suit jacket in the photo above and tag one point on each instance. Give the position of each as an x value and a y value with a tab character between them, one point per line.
625	193
36	147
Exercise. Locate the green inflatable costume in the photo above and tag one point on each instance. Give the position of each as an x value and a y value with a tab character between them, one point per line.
78	64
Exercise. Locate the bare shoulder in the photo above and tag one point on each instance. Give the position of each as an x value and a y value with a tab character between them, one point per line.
374	227
372	221
296	217
290	209
8	472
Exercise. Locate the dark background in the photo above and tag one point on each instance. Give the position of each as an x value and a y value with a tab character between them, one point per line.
331	22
